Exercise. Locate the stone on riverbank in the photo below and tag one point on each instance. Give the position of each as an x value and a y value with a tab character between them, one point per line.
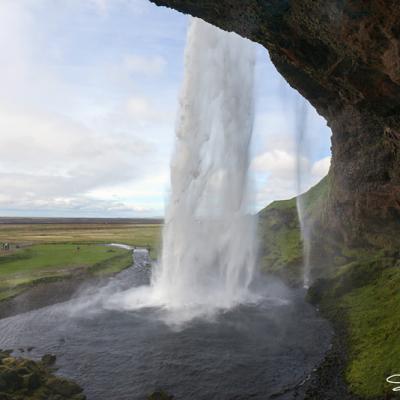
160	395
23	379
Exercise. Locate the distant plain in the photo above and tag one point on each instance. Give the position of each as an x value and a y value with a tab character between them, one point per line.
44	250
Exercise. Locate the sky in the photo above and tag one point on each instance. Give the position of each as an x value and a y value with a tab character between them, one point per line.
89	94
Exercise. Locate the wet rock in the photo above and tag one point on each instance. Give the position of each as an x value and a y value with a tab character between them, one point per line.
63	387
32	381
49	360
3	384
30	365
4	354
160	395
23	379
79	397
11	379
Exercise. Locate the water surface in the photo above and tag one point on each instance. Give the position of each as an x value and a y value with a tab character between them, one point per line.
251	352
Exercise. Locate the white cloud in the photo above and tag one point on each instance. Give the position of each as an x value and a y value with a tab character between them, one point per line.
148	187
87	114
62	161
142	111
280	183
279	163
103	7
65	143
145	65
275	189
321	167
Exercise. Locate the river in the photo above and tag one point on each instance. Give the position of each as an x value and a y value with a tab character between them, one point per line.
253	351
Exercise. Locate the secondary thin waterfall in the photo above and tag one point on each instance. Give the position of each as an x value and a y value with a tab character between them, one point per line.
209	238
302	171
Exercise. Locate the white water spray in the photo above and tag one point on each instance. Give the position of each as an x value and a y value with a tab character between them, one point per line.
209	240
302	169
208	247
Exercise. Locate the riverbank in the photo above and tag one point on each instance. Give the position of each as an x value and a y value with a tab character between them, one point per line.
25	379
46	293
53	252
29	269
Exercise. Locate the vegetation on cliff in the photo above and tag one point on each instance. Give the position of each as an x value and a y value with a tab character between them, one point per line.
281	248
363	296
357	288
280	241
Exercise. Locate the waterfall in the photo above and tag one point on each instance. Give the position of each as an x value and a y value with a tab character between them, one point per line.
208	251
301	150
209	239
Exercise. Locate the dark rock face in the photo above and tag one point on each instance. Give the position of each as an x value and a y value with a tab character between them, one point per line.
344	57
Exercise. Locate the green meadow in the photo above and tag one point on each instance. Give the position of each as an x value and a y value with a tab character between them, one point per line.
48	252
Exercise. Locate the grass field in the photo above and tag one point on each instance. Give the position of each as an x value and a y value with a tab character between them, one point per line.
42	252
146	235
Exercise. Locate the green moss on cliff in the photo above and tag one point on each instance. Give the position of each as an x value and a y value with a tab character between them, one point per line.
374	327
314	200
364	297
357	287
280	241
281	248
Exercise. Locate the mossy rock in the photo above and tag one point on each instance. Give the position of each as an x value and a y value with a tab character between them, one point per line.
62	387
24	379
160	395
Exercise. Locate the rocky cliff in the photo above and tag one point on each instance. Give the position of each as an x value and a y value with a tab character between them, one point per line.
344	57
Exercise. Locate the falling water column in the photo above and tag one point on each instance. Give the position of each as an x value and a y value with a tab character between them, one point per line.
209	241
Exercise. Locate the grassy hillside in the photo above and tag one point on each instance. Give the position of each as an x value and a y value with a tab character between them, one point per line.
280	241
279	229
356	287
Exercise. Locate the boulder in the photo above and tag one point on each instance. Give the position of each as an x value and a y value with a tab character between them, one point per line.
160	395
63	387
49	360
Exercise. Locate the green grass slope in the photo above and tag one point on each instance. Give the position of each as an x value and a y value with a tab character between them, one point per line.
280	241
281	248
359	288
364	297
